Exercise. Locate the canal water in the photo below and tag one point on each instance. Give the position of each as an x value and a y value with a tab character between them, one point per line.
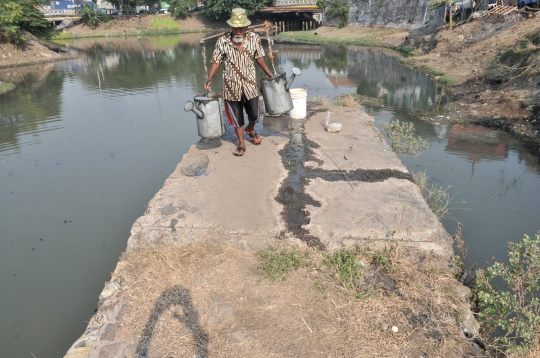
86	143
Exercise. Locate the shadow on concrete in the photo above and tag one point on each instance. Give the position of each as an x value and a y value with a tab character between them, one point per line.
174	296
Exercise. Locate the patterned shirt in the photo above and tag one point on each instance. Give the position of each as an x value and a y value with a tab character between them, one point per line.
239	71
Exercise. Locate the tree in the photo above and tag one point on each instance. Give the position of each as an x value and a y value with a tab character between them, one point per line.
221	9
17	16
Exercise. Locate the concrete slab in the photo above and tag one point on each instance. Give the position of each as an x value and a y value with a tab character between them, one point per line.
392	209
362	144
233	202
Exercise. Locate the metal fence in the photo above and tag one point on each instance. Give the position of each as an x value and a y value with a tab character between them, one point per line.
49	13
294	2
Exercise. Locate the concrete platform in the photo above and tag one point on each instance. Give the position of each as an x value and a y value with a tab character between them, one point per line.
234	201
363	144
375	213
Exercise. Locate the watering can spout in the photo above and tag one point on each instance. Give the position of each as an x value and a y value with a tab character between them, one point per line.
189	106
295	72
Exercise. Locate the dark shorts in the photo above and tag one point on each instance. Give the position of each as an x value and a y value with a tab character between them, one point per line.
235	110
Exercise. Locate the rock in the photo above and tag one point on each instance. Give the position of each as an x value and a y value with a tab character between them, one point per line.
395	329
109	290
226	310
333	127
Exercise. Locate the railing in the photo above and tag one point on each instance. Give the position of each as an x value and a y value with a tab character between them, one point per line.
49	13
294	2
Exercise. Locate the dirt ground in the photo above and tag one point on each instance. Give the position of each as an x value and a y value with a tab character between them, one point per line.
31	52
508	99
132	25
214	300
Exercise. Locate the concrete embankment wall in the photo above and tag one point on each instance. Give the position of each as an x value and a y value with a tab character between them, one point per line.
363	193
396	13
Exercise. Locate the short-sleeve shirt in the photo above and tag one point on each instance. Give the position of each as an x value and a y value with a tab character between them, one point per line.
239	71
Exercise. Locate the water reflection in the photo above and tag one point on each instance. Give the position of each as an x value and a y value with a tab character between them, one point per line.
37	109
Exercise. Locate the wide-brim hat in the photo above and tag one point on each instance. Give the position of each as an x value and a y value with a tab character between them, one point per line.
238	18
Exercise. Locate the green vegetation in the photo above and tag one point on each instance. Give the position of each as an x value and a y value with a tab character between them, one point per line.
90	17
446	80
347	269
340	9
403	140
167	23
322	4
221	9
6	87
18	16
276	262
405	51
178	8
509	299
437	198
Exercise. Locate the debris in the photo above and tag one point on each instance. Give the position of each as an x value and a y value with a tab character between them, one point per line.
395	329
333	127
310	331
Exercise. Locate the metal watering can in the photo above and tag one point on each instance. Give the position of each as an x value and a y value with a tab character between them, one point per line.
207	107
275	92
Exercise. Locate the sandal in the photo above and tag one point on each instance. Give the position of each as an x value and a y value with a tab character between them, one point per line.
255	139
239	152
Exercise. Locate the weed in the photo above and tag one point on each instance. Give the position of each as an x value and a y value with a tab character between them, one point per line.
403	140
446	80
437	198
514	309
347	271
323	100
6	87
276	262
353	99
384	257
405	51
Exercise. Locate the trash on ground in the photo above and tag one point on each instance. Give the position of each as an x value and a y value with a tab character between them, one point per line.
333	127
195	165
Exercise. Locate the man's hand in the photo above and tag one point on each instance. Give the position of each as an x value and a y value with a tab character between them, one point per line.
207	84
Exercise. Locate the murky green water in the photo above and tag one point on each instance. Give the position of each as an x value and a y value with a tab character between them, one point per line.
85	144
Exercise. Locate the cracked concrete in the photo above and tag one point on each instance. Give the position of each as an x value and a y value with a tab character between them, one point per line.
235	201
359	141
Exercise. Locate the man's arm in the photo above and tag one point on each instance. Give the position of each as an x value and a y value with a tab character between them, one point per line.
214	68
262	64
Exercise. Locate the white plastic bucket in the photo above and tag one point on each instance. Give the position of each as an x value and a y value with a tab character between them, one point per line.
299	98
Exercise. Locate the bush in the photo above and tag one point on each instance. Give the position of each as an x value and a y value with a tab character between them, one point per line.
509	298
90	17
403	140
221	9
340	9
178	8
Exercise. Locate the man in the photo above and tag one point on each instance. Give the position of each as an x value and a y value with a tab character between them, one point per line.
237	49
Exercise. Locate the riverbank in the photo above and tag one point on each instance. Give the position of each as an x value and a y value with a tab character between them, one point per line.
488	65
208	274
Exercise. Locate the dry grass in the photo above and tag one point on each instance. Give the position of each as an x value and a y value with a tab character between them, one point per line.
212	301
322	100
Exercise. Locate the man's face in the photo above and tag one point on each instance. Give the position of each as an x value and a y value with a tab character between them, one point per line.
238	34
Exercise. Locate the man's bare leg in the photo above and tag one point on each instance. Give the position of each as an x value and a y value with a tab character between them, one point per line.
240	134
